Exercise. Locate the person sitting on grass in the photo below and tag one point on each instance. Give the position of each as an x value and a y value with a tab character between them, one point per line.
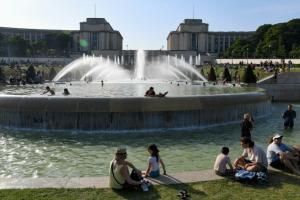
221	163
151	93
119	176
257	159
282	156
153	162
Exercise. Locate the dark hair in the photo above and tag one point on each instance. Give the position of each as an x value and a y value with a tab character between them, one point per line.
271	140
151	88
248	141
225	150
47	87
155	151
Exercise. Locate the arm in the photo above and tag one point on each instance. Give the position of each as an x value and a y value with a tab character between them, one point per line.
148	170
163	166
125	173
45	92
284	115
229	163
133	167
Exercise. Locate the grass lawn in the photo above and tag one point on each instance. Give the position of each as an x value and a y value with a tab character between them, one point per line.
281	186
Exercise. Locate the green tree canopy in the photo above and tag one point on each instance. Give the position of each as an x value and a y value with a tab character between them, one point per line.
248	75
226	74
269	41
212	74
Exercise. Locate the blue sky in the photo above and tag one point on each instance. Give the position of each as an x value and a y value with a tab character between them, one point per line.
146	23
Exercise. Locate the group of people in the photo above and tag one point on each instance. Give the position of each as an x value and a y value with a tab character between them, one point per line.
51	91
121	178
254	158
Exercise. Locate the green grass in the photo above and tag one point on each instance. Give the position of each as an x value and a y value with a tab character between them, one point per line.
281	186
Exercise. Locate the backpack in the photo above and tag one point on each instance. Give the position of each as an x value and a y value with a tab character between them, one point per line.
245	176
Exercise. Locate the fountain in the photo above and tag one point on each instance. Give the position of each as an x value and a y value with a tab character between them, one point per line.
120	104
165	68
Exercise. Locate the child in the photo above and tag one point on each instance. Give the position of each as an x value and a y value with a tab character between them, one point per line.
221	161
153	162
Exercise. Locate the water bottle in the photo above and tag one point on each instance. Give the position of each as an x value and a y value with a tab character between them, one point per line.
144	187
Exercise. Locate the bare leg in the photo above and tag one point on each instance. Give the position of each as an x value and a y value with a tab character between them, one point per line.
290	165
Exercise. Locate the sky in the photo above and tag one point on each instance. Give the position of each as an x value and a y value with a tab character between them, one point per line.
145	24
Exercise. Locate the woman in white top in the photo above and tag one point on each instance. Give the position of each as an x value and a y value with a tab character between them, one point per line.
257	159
153	162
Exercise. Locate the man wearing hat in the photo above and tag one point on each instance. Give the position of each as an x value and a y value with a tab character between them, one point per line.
119	176
280	155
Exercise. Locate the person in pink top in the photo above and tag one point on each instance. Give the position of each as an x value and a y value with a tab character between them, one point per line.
221	163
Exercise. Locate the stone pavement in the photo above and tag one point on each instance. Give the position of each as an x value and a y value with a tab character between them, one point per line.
102	182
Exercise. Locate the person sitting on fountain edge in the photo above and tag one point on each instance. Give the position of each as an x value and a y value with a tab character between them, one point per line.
51	91
151	93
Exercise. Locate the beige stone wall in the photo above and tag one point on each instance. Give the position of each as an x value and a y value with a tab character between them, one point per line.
128	113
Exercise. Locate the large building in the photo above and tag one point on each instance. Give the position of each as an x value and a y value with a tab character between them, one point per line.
96	34
193	35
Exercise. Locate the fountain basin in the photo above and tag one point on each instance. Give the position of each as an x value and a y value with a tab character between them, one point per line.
128	113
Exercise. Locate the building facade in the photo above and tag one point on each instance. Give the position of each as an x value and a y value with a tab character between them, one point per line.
193	35
95	34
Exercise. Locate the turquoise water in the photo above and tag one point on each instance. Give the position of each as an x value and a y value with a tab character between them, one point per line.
67	154
129	89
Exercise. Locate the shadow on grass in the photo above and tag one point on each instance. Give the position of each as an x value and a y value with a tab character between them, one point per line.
276	180
166	187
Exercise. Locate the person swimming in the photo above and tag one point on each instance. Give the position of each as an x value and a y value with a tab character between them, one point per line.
49	90
66	92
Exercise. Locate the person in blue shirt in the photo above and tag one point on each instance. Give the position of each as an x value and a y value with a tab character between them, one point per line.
289	115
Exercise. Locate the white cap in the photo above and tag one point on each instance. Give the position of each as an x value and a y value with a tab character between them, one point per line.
277	136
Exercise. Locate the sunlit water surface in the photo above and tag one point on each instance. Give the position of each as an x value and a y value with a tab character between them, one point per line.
125	89
67	154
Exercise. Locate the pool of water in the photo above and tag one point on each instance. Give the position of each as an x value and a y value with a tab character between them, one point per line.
128	89
75	154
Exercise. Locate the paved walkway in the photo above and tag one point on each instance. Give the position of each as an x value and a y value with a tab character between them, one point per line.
101	182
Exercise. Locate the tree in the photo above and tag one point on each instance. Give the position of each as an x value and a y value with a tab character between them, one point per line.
2	45
249	76
212	74
268	41
58	43
226	75
30	74
2	76
17	46
259	51
63	42
39	48
295	52
281	49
